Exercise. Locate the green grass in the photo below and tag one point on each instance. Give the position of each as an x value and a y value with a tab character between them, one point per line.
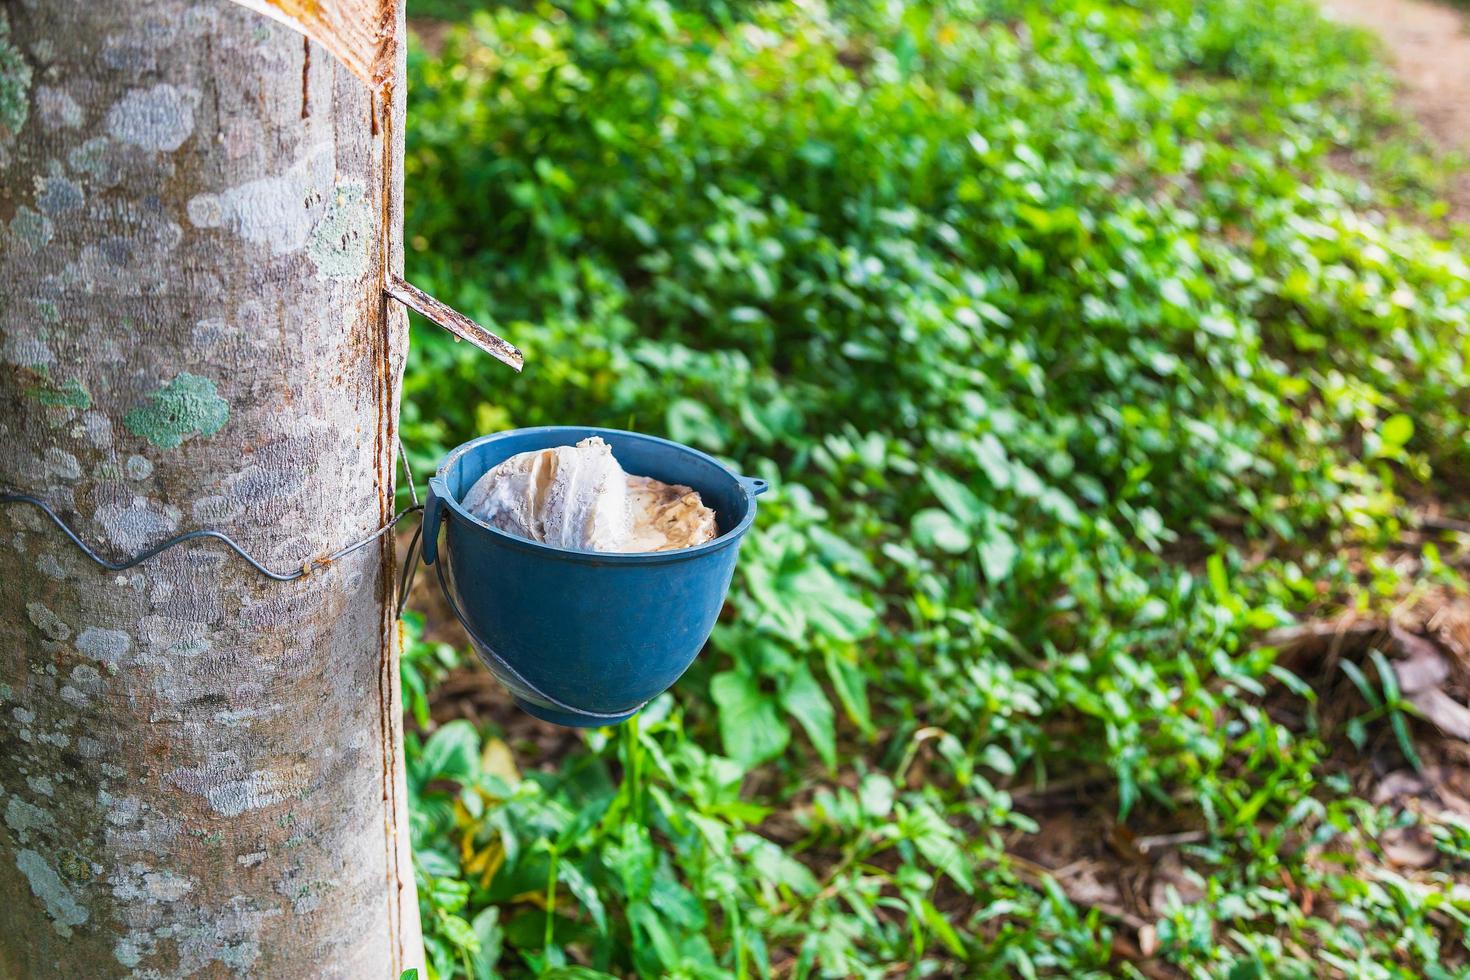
1075	367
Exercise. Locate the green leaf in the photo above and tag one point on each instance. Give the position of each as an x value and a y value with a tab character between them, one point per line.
1386	676
486	926
453	752
750	729
1396	430
676	903
828	603
641	230
956	498
1406	741
937	841
630	855
998	759
998	554
875	794
693	423
585	892
1361	683
934	528
776	866
661	948
1219	579
803	698
990	456
941	927
1174	293
459	932
851	685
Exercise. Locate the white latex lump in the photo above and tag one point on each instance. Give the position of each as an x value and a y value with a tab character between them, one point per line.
578	497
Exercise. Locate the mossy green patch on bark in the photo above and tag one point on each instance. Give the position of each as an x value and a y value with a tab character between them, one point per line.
15	84
185	407
69	395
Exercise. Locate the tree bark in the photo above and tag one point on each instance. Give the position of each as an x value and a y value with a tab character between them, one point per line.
200	768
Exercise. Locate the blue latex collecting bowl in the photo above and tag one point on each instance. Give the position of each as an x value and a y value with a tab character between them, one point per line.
584	638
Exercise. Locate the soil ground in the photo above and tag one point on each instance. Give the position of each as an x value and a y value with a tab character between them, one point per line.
1429	47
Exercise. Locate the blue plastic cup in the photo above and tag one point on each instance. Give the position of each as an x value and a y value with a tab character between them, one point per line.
584	638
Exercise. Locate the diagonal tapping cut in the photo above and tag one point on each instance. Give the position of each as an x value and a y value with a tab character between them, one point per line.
454	321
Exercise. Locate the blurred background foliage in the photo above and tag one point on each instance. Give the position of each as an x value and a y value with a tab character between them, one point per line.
1083	343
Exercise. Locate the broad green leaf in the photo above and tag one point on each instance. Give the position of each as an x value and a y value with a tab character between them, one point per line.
676	903
585	893
1396	430
938	842
776	866
992	462
957	498
875	793
851	686
804	699
934	528
998	554
459	932
486	926
750	728
829	604
941	926
453	752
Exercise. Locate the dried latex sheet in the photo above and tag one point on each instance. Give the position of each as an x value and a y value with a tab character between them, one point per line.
578	497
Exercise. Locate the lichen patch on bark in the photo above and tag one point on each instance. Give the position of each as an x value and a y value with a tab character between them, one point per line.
272	210
232	790
185	407
56	107
104	645
30	230
339	243
61	904
22	817
48	622
136	524
159	118
57	194
139	881
138	467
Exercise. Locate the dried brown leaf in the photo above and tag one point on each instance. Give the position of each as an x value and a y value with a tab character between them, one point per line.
1449	715
1409	847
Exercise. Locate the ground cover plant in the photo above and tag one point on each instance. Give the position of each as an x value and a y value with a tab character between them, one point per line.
1092	350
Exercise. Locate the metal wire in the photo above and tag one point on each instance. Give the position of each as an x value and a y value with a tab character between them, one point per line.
410	568
307	566
413	491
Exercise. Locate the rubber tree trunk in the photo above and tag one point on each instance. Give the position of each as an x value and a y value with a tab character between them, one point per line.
200	768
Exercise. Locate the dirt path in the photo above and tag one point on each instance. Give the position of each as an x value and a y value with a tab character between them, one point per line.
1430	47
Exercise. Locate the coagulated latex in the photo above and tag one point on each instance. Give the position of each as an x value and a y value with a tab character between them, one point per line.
578	497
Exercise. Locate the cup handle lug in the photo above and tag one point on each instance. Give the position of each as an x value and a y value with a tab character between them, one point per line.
433	514
754	485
